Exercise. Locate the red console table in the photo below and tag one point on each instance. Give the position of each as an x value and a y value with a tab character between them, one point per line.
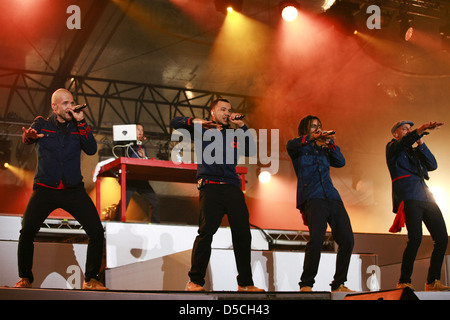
149	169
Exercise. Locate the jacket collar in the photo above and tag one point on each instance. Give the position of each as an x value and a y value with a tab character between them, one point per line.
55	123
53	120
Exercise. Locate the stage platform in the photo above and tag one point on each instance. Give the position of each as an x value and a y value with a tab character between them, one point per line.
151	262
7	293
68	294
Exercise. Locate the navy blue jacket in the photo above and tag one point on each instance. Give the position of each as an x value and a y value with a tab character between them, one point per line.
312	167
223	168
409	168
59	151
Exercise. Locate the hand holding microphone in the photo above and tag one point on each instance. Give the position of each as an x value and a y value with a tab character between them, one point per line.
236	118
324	137
76	112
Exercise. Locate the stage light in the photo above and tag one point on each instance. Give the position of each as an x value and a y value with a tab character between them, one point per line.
289	10
225	6
440	196
409	33
327	4
406	31
264	176
5	153
289	13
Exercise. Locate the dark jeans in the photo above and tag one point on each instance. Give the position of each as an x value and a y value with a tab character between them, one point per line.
146	191
215	202
75	201
319	213
430	214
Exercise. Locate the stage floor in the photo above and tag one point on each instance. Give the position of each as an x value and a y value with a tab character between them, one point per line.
7	293
151	262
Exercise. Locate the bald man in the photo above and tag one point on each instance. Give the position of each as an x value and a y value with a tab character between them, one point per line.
58	183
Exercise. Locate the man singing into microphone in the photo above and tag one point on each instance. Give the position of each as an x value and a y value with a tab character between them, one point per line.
312	154
220	193
58	183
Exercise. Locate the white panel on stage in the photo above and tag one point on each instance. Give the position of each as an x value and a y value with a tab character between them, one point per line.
56	265
272	271
157	257
10	227
279	271
130	243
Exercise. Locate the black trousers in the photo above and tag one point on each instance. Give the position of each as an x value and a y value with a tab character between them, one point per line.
319	213
146	191
430	214
75	201
216	201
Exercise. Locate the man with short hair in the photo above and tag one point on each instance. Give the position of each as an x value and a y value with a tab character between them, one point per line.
413	202
58	183
220	194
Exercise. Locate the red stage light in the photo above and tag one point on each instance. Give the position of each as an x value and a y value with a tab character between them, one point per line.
409	33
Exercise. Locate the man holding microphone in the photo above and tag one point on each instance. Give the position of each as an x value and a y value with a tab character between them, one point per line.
58	183
220	192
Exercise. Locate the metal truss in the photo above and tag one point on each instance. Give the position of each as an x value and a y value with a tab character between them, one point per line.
61	230
294	240
114	101
110	101
23	93
432	9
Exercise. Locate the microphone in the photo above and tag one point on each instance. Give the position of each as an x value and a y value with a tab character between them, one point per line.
239	117
79	108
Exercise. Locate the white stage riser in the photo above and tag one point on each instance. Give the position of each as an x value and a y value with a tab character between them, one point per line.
157	257
129	243
272	271
62	266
